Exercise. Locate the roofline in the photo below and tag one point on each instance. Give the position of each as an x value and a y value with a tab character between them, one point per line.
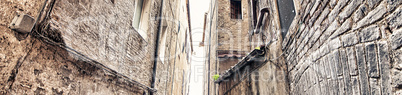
203	33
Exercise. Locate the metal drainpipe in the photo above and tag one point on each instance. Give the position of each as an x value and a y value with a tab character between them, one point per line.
157	46
209	45
260	19
250	32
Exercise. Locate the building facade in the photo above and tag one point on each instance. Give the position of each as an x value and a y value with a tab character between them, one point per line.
319	47
97	47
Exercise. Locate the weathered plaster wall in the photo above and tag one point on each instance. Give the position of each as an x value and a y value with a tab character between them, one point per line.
211	40
100	30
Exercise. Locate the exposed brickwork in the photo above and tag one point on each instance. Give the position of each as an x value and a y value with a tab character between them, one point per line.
102	31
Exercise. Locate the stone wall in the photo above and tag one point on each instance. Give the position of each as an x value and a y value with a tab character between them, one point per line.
102	31
270	78
332	46
174	69
233	33
345	47
31	66
211	40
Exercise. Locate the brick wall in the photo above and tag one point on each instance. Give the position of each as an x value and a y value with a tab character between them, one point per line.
233	33
345	47
332	46
102	31
32	66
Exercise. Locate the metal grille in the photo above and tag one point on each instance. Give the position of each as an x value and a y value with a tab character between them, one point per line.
235	9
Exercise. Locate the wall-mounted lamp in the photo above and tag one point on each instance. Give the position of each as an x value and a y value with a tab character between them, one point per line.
22	23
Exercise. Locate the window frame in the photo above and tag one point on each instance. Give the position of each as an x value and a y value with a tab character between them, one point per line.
138	17
236	9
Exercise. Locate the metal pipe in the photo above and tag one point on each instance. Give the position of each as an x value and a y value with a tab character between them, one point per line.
209	44
157	46
260	19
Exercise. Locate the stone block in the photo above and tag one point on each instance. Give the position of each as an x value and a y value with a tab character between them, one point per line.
321	71
315	6
372	3
341	86
345	69
331	87
385	32
344	28
396	39
311	78
332	3
347	11
324	50
307	10
352	61
334	26
374	87
360	13
327	67
396	78
349	39
355	85
395	19
324	24
334	44
335	86
315	55
309	36
393	3
397	59
325	35
372	16
335	11
323	86
304	51
318	8
371	59
370	33
323	15
335	62
317	89
364	82
313	39
383	54
385	65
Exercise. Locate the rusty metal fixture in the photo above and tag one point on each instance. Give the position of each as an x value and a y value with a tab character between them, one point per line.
22	23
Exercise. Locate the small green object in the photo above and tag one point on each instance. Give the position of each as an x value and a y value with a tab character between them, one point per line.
216	76
257	48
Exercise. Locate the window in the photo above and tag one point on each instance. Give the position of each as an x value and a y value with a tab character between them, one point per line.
255	8
163	44
235	9
138	18
137	14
